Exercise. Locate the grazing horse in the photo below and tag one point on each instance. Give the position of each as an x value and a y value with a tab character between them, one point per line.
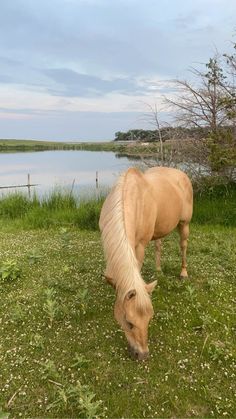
141	207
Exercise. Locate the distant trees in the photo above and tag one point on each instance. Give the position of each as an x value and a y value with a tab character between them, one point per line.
167	133
136	135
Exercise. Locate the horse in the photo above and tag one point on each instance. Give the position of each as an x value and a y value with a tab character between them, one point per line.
142	207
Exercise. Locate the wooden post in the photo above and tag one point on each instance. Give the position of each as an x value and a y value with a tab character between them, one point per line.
72	187
96	180
29	185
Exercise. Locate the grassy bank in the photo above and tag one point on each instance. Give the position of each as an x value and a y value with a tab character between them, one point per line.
55	210
33	145
212	206
129	149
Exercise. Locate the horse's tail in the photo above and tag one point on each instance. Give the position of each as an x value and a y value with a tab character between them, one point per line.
122	264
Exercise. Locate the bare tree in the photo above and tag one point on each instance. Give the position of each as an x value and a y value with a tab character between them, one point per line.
153	118
201	104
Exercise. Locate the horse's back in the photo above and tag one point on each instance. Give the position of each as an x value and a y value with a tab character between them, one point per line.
174	196
175	177
153	202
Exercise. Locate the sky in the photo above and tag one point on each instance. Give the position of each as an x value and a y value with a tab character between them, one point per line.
84	69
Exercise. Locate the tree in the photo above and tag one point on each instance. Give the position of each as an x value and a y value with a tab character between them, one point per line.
209	104
201	104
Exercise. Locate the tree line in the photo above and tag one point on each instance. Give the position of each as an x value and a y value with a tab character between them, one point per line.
167	133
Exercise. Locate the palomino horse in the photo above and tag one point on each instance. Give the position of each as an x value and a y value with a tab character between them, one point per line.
141	207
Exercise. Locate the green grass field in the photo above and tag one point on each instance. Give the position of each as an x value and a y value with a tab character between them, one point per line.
36	145
62	353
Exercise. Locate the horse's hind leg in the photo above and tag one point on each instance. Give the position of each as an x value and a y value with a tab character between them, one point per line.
158	254
184	233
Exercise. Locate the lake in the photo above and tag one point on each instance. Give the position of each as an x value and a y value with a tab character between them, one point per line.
52	169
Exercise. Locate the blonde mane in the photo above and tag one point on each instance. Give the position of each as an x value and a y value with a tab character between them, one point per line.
122	265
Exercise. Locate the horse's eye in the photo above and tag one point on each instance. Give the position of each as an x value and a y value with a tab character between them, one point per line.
130	325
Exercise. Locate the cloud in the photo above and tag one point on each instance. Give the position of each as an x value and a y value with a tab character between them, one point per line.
104	38
102	56
70	83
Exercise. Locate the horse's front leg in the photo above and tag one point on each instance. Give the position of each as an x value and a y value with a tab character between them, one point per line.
139	251
184	234
158	254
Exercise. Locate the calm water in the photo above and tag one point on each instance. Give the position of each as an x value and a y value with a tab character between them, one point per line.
51	169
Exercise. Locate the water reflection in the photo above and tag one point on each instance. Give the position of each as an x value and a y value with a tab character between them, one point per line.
50	169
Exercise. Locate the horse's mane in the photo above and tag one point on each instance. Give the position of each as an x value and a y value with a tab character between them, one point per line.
122	265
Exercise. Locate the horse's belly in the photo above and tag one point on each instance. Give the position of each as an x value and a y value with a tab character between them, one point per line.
168	219
164	229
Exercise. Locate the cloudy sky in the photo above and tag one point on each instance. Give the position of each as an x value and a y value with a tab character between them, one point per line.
84	69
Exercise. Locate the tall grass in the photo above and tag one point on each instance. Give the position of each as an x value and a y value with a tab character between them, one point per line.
58	208
214	205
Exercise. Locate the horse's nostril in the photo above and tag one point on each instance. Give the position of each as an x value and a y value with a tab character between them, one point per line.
142	356
133	353
145	355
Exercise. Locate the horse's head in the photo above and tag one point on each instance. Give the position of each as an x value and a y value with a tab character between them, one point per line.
134	320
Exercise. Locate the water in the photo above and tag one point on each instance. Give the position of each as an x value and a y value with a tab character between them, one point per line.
52	169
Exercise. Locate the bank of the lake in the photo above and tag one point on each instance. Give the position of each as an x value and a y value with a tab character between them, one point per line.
63	208
129	148
35	145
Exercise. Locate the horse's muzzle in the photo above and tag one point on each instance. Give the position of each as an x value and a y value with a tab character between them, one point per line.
138	355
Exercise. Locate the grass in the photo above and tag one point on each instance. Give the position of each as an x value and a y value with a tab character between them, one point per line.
56	209
129	149
35	145
62	353
59	338
212	206
216	205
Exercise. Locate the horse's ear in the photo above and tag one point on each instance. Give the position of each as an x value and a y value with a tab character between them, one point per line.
150	287
130	294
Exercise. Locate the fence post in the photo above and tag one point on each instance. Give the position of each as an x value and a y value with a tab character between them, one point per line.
29	185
